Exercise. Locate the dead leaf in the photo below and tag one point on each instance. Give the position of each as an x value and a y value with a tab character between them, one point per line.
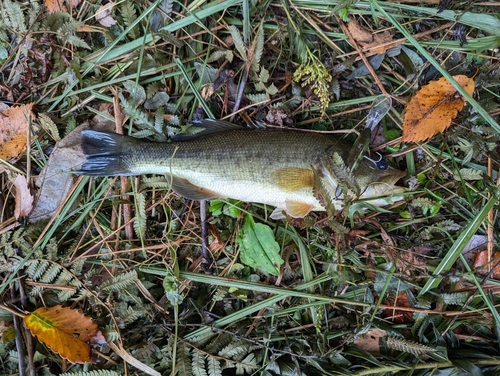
431	110
24	199
370	341
103	14
56	181
14	124
65	331
482	261
58	5
368	40
395	315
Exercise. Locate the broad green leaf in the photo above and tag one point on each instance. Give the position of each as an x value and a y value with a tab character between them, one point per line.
258	247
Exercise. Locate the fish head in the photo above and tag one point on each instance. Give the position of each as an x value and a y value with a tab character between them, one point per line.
376	182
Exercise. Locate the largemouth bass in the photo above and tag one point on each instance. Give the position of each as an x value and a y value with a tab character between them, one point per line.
268	166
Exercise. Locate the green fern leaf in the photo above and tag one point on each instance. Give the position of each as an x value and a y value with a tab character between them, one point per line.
183	363
456	298
119	282
238	42
247	366
129	16
13	17
140	214
198	363
259	49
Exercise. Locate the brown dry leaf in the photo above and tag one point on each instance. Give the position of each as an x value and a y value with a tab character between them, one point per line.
58	5
55	181
368	40
395	315
431	110
370	341
481	261
65	331
14	124
24	199
103	15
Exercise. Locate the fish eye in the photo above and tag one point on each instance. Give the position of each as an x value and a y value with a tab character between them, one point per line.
382	165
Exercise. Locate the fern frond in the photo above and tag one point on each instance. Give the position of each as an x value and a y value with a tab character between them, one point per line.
183	363
159	120
408	346
259	49
468	174
51	273
110	333
129	16
198	363
13	17
140	214
238	42
235	348
128	315
119	282
218	343
203	339
49	126
247	366
456	298
213	366
157	182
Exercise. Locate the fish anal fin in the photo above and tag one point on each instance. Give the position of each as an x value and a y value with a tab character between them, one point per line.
298	209
187	189
291	179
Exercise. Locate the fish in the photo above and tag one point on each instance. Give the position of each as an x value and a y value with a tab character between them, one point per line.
276	167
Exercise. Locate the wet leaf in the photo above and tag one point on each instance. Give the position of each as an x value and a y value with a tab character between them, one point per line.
431	110
14	124
258	247
65	331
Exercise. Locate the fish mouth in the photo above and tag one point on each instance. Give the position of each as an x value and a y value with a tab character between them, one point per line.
386	187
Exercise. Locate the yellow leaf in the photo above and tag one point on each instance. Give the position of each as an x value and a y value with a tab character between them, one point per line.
14	124
65	331
431	110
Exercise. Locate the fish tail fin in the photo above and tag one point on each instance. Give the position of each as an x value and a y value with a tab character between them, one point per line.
105	154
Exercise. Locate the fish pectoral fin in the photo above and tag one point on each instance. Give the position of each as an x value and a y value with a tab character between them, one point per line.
291	179
278	213
187	189
298	209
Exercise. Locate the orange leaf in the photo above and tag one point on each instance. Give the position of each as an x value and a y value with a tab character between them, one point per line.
66	331
431	110
14	124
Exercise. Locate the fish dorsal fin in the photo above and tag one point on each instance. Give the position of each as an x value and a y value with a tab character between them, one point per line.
208	126
187	189
291	179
